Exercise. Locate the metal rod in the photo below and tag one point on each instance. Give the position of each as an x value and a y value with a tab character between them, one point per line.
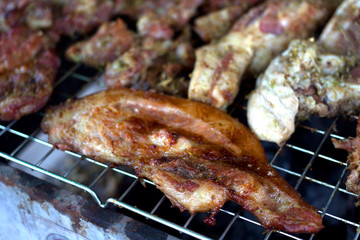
158	204
4	129
44	157
315	154
128	189
98	177
72	167
20	146
230	224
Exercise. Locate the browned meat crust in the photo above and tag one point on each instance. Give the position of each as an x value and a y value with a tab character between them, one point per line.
109	42
27	72
199	156
153	64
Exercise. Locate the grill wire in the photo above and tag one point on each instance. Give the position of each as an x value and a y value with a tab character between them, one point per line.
307	161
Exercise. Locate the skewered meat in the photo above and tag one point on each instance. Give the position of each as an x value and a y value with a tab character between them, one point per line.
352	145
27	71
252	42
110	41
307	80
197	155
217	22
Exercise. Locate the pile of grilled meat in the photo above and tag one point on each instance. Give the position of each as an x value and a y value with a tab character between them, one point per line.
194	152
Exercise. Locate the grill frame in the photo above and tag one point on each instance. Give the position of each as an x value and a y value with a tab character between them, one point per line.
86	77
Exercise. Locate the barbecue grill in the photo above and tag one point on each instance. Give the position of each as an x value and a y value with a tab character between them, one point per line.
308	161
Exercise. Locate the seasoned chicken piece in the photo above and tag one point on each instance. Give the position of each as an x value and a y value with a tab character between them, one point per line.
110	41
306	79
217	23
300	82
342	32
199	156
253	41
27	72
352	145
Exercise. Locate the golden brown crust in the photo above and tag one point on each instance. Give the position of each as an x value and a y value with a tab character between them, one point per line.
199	156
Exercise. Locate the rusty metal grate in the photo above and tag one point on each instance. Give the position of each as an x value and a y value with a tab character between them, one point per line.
307	161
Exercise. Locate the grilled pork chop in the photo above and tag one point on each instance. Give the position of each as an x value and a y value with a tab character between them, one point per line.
199	156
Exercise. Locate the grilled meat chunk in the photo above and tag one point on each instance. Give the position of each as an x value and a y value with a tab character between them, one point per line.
110	41
300	82
352	145
20	45
82	16
26	88
309	78
153	64
253	41
218	22
197	155
342	33
27	72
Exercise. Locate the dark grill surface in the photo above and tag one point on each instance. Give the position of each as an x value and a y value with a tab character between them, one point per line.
308	161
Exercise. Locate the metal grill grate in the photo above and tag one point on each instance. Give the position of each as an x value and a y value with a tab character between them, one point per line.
307	161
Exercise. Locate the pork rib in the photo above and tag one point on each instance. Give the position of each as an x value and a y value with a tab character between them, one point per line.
199	156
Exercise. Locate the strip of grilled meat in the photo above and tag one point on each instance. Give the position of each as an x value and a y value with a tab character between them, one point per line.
199	156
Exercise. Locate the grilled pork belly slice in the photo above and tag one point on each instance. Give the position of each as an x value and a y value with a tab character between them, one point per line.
264	32
199	156
309	78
